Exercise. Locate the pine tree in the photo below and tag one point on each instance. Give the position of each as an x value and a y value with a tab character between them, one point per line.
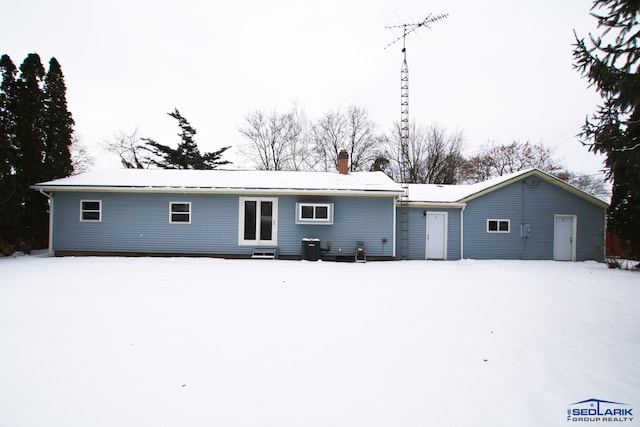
7	147
187	155
30	135
36	131
58	124
7	120
611	63
30	150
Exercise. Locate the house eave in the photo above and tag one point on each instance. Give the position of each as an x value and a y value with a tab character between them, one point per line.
217	190
435	205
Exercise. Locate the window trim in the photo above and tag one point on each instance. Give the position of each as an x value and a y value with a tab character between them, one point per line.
171	212
314	220
498	221
83	210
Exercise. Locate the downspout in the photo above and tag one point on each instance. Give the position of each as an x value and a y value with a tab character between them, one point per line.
395	226
605	235
464	205
48	196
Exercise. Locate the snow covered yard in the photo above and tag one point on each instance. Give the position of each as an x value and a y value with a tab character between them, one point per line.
206	342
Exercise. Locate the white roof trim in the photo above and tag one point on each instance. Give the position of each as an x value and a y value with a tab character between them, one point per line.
226	182
443	205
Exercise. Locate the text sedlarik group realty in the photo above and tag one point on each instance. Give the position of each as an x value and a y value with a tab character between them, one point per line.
596	410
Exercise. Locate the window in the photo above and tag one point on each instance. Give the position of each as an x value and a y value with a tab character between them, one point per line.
91	210
258	223
314	213
180	213
498	225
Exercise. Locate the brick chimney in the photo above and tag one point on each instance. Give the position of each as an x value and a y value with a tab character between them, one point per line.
343	162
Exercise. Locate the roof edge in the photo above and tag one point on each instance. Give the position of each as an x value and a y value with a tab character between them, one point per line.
214	190
443	205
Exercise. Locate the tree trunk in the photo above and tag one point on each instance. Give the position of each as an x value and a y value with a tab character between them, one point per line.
5	248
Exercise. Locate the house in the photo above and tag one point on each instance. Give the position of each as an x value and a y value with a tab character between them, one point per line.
260	214
311	215
525	215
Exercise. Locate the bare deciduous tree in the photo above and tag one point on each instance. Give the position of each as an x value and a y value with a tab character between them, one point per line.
276	141
444	158
130	148
353	131
496	160
81	159
592	184
329	136
430	156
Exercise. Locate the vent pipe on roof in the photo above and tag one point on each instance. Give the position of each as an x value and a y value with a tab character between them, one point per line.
343	162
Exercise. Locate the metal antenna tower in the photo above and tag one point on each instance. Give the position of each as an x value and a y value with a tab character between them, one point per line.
404	80
403	154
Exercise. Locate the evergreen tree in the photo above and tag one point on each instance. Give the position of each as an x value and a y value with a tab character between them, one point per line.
30	149
58	124
36	131
7	120
187	155
7	146
30	134
611	63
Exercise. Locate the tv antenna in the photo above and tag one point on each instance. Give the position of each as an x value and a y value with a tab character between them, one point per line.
404	78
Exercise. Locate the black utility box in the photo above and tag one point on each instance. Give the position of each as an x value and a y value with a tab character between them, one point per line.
361	252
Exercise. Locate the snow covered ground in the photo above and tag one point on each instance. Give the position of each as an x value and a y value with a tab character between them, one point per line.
207	342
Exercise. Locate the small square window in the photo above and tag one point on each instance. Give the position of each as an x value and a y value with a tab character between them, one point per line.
91	210
180	213
498	226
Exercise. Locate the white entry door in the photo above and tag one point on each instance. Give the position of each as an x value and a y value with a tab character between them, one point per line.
436	247
564	240
258	221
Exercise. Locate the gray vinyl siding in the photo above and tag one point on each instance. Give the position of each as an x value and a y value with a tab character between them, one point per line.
140	223
418	232
356	219
535	202
133	222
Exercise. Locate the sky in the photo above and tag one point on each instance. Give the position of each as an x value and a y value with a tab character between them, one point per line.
497	70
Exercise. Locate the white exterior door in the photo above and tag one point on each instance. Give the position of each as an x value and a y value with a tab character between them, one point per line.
436	247
258	221
564	240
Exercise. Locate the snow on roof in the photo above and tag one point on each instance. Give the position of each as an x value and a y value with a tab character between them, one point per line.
217	181
445	194
224	180
454	193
